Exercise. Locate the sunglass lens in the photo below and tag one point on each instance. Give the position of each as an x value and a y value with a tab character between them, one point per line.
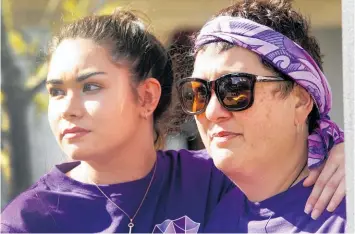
235	92
193	96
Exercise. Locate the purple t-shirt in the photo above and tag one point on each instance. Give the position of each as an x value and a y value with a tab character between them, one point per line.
185	190
283	213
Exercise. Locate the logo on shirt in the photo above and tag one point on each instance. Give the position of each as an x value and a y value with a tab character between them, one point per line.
180	225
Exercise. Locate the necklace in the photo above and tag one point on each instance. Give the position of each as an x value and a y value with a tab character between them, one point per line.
131	219
284	193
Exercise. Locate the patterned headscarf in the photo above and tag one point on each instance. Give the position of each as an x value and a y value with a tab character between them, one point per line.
290	59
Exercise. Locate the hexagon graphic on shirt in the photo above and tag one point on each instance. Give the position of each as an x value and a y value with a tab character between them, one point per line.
181	225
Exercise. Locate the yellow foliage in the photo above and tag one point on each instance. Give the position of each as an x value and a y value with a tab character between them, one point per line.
41	102
39	75
74	9
5	121
69	5
5	165
2	97
17	42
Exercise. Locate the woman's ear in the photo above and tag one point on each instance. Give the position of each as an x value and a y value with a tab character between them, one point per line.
303	104
149	92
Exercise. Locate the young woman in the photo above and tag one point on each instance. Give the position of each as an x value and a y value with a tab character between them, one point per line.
109	82
261	104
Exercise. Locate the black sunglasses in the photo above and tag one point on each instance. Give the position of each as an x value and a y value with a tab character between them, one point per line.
235	91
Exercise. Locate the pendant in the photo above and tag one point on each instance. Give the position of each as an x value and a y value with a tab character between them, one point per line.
130	225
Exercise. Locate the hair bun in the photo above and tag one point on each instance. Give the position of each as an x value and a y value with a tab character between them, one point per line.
122	14
127	16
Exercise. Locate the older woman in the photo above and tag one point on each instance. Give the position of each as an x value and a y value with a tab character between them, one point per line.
261	104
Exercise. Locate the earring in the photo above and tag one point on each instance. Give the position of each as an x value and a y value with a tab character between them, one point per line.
145	115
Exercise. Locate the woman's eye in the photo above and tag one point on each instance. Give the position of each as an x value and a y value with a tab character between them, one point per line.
53	92
90	87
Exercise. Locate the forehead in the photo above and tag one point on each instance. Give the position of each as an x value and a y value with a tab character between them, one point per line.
73	55
212	62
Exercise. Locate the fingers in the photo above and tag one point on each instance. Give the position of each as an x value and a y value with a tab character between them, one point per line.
313	176
329	180
325	175
328	192
337	197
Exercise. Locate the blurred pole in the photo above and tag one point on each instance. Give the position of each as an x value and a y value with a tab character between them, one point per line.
348	8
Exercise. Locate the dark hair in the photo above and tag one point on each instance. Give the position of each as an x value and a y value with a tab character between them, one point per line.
125	36
182	57
281	17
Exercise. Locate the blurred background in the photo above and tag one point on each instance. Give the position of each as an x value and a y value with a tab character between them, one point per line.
28	149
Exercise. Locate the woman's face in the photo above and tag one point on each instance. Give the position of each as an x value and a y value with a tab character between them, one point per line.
245	141
92	109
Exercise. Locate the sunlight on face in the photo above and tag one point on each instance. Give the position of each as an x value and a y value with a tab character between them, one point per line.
244	141
92	110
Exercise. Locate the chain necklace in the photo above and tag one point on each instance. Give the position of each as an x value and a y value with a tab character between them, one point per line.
131	219
284	193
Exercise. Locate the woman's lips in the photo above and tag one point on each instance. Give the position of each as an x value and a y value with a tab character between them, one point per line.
75	132
224	136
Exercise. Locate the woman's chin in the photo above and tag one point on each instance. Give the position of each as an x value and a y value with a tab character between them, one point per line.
222	158
77	153
227	160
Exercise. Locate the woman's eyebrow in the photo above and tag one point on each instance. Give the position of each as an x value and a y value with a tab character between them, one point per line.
85	76
54	82
80	78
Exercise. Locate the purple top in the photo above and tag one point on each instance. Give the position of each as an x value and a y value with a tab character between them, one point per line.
286	209
185	190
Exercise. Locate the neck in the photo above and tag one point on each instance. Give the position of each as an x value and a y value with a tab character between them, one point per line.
270	180
128	163
119	170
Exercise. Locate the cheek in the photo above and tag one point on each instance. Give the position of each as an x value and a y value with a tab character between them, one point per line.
111	111
95	108
104	105
268	123
54	115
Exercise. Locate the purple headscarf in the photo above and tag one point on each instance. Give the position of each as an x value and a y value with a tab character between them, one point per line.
290	59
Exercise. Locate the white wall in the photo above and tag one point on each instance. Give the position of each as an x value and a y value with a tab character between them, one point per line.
330	41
